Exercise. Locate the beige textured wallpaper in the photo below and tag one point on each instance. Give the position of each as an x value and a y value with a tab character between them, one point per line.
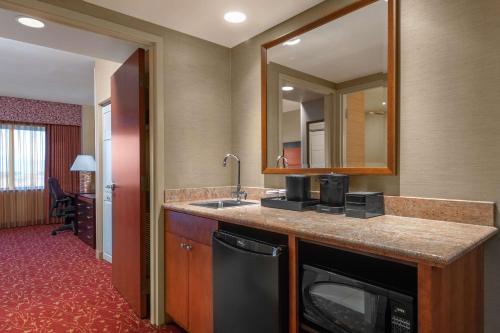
198	119
450	116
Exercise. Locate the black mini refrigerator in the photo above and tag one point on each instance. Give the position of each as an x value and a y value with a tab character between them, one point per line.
250	289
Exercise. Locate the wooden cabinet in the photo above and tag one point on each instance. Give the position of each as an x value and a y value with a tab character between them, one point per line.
450	297
188	271
85	218
176	278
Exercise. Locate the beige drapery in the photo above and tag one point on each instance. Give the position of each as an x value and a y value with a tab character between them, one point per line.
22	175
22	208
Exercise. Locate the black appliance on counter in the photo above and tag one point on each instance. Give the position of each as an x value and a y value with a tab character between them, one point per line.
344	292
298	195
250	283
332	190
298	187
364	204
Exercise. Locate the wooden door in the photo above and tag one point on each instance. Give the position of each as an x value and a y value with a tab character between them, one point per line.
130	197
200	288
176	278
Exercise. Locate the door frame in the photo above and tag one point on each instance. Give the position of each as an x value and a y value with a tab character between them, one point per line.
155	44
99	157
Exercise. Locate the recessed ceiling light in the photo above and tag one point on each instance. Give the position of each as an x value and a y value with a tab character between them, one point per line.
235	17
292	42
30	22
287	88
384	103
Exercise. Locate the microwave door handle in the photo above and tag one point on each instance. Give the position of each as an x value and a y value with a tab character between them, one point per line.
383	315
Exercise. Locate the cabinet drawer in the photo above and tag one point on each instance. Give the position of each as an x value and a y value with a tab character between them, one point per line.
84	206
196	228
85	216
84	226
88	237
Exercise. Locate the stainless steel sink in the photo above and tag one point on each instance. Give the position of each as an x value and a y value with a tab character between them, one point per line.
218	204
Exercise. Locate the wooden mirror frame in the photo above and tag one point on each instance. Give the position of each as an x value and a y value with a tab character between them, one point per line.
391	93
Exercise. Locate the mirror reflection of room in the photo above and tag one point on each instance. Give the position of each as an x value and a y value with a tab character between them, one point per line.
327	94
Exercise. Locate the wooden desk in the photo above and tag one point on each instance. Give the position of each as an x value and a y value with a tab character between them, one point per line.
85	217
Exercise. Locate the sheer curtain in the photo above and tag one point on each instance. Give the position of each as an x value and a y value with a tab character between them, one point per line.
29	157
22	175
4	156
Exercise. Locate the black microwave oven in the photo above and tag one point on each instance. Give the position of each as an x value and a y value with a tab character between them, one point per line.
339	304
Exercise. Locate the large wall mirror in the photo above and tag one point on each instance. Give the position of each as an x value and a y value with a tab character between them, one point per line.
329	94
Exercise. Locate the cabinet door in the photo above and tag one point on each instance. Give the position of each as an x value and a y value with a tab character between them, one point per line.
200	288
176	279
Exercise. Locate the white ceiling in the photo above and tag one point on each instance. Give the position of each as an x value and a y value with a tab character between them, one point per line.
37	72
204	19
64	38
350	47
55	63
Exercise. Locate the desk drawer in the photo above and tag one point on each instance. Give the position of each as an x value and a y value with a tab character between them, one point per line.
85	226
88	237
85	218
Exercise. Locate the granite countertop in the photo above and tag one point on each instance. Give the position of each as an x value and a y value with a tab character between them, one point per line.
437	243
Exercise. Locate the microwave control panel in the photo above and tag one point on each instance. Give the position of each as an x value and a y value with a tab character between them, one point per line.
401	319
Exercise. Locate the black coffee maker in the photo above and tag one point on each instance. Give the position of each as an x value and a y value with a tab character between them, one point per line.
333	188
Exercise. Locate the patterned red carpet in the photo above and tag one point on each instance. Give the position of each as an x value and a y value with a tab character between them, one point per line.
55	284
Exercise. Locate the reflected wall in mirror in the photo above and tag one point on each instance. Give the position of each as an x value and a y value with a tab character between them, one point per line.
329	94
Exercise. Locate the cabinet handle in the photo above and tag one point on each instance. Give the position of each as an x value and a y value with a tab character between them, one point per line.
186	246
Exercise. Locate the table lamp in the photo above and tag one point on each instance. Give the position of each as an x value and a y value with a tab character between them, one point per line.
85	164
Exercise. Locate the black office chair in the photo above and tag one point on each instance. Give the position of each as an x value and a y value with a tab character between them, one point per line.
61	207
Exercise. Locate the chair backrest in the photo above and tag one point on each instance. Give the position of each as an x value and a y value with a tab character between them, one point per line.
55	189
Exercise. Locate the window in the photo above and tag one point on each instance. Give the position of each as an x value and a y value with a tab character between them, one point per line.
22	157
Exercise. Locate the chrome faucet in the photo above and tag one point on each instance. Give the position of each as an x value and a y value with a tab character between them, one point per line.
238	193
284	159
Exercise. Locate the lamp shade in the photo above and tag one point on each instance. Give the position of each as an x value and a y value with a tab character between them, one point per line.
83	163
